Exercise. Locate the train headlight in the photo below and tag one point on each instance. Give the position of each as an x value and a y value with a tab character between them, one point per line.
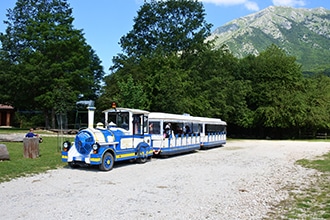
66	145
95	147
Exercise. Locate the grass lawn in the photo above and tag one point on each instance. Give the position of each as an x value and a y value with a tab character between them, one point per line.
18	166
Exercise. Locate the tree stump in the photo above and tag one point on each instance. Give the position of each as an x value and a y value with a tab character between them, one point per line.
4	154
31	147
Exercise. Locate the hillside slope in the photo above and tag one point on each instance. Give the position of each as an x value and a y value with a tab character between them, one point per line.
303	33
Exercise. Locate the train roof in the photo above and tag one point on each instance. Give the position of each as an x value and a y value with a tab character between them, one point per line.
168	117
211	120
134	111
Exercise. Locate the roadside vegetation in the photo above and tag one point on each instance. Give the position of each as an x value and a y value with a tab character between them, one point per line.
310	203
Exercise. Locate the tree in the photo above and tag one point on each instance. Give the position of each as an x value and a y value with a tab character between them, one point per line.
167	84
43	50
164	34
165	27
277	88
219	91
317	108
131	95
161	81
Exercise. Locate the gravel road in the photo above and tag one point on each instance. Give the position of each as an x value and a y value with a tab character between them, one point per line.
241	180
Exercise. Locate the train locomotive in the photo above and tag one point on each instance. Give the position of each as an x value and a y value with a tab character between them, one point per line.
123	137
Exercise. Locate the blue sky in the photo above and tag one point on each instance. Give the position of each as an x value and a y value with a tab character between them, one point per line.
104	22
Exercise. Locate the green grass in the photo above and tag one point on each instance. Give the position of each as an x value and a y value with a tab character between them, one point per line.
322	164
18	166
12	130
313	202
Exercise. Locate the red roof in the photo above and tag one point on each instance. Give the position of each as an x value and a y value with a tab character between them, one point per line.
6	106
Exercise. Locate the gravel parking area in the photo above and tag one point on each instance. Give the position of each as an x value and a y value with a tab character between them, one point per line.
241	180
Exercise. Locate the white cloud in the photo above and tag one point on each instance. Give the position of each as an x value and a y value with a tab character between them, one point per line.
250	5
225	2
291	3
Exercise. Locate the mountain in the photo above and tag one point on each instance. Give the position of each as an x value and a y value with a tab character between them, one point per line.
303	33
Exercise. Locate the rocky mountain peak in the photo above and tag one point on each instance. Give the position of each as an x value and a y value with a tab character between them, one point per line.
293	29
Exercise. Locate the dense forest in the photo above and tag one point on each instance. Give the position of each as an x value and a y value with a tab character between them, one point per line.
166	65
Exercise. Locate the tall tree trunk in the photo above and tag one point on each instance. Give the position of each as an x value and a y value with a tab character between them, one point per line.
46	118
53	119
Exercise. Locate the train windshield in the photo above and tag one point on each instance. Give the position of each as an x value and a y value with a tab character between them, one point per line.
121	119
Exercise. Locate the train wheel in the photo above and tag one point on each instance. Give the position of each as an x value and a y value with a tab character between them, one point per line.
142	159
107	162
142	155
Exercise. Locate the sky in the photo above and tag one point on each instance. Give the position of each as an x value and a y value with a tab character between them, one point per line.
104	22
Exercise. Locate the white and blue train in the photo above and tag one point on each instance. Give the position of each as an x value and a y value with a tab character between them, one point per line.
173	134
133	134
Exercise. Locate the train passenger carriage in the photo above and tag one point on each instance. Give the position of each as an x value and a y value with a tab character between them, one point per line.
214	132
173	134
124	137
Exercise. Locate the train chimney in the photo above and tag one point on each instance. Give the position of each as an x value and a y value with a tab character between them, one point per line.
90	116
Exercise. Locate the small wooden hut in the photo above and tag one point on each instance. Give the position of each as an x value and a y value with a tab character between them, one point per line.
6	115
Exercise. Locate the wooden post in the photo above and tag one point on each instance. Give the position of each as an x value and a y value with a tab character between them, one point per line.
31	147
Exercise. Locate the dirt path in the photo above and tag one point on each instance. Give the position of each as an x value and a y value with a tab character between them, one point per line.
239	181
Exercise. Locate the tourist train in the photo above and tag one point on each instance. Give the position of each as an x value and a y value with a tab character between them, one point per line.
133	134
173	134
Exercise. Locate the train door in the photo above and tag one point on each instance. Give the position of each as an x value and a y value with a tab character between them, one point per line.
139	128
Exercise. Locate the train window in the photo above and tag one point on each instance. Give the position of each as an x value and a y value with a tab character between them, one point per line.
145	124
154	127
222	128
178	128
209	128
138	124
120	119
196	128
112	118
167	127
187	128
